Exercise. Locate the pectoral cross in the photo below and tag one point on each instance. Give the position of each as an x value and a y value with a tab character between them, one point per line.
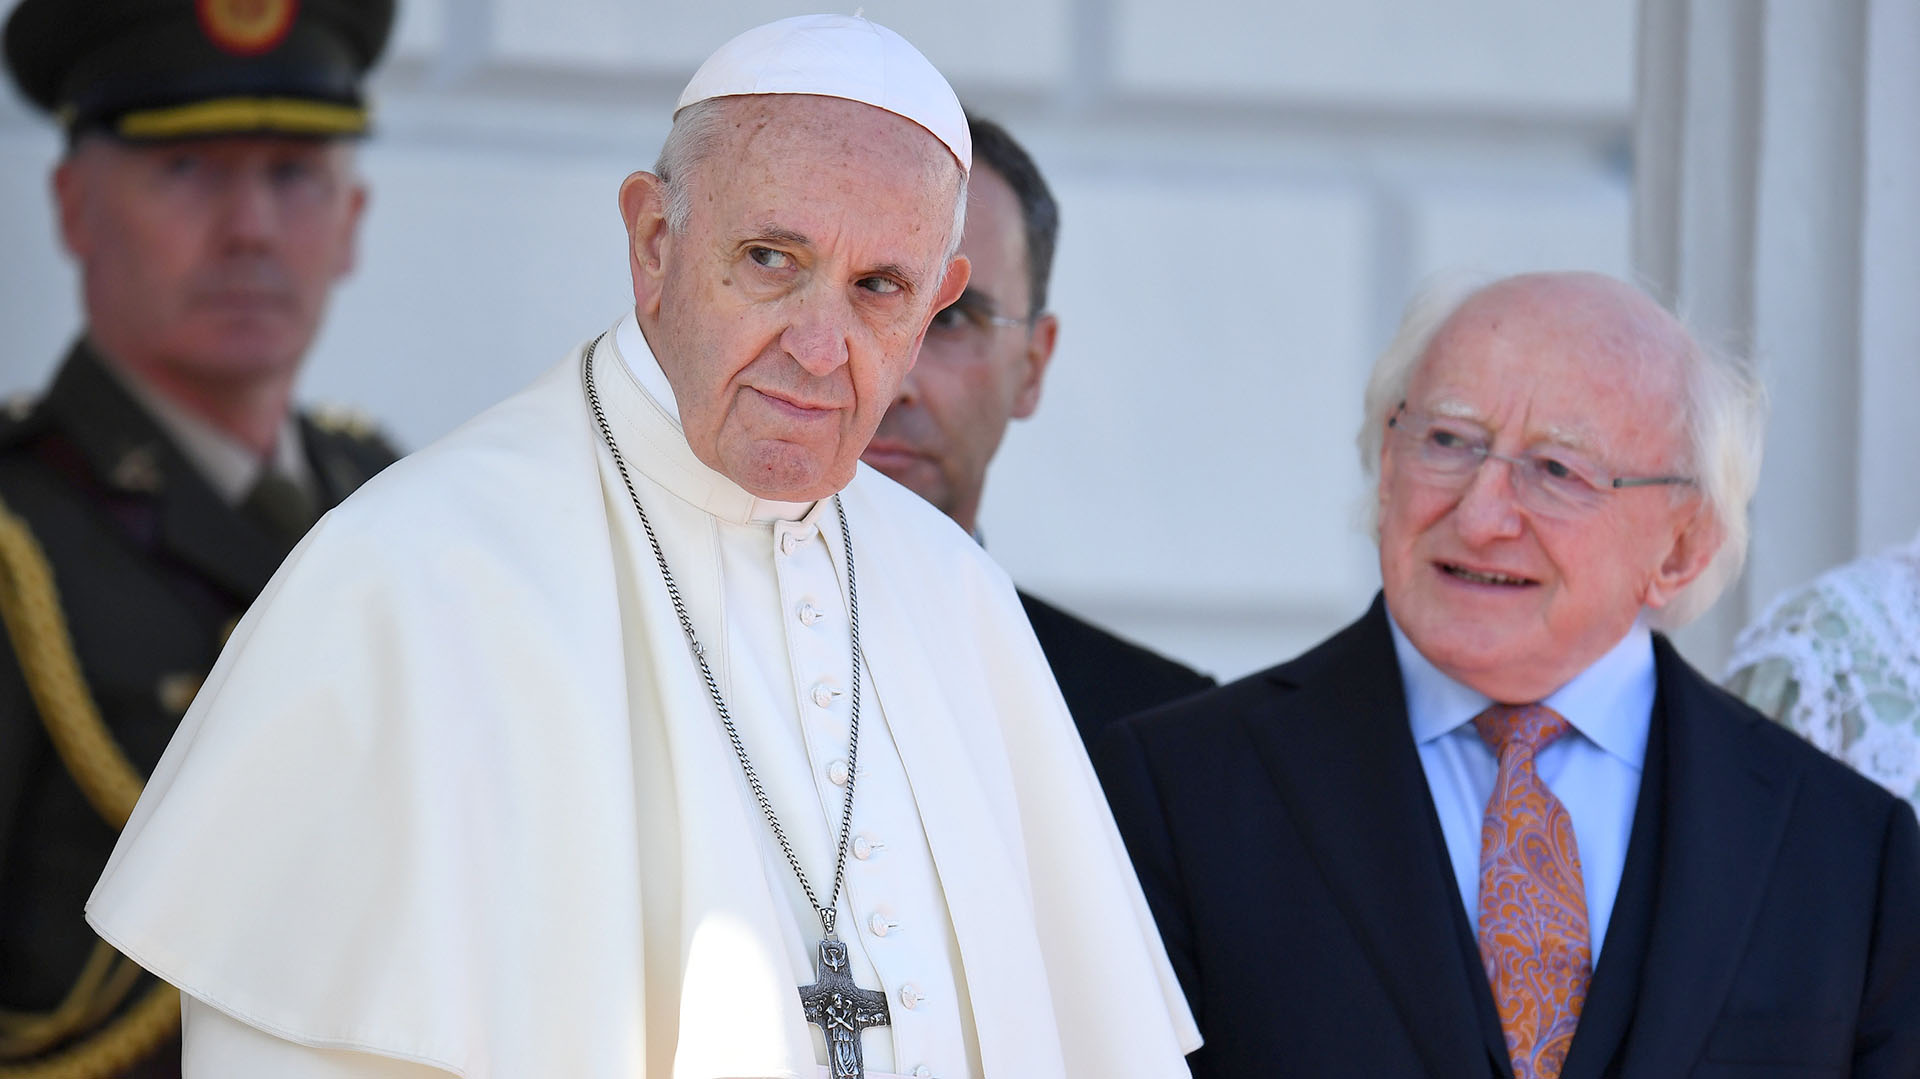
841	1009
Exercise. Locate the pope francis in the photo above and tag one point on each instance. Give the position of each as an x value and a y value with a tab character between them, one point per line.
634	729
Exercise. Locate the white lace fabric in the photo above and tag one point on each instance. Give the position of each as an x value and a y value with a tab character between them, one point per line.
1839	662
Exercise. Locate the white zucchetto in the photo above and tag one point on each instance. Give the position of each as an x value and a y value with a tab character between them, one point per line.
843	56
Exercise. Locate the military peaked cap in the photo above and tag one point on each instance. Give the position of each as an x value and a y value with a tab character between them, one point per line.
149	70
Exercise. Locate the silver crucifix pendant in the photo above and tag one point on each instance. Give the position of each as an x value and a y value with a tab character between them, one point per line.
841	1009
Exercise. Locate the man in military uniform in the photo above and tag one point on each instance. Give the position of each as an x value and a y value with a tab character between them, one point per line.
209	197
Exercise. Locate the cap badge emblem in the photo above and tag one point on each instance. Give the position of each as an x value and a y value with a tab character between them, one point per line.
246	27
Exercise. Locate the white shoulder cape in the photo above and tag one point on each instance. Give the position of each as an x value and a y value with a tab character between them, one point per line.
410	814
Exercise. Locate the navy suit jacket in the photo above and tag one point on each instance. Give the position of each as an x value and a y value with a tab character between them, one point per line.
1102	676
1767	924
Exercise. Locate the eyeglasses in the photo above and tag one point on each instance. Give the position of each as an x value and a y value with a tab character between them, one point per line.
1553	482
969	320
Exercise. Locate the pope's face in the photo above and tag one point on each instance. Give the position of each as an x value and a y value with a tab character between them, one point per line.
789	308
209	261
1504	598
981	365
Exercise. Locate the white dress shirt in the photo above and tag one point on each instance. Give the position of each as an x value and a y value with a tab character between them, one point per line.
1594	769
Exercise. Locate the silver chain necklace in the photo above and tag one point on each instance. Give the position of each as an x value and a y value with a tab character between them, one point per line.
839	1007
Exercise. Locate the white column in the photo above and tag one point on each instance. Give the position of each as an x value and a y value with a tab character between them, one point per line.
1775	209
1889	436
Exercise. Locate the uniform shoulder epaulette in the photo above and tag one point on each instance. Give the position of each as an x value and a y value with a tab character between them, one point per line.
347	422
16	414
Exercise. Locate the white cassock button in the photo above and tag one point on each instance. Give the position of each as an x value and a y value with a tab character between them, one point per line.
910	997
823	694
837	771
923	1072
863	847
879	926
809	614
787	543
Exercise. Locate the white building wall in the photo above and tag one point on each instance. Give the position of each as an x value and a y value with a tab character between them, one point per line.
1250	190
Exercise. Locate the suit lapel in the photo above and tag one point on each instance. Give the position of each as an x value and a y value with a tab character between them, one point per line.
132	458
1723	818
1346	765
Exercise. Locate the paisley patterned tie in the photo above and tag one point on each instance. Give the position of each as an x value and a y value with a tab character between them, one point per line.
1533	904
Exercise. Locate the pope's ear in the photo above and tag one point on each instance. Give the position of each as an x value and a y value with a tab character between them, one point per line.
643	206
959	272
1695	543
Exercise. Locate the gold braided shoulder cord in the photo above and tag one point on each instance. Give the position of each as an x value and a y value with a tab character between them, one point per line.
30	607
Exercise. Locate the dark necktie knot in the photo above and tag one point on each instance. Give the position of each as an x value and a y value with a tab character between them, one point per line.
1529	727
282	505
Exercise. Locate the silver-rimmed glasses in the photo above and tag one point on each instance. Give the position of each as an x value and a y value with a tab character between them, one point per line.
969	320
1552	481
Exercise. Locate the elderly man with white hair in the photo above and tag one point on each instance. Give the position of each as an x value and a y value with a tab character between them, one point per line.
1498	827
633	729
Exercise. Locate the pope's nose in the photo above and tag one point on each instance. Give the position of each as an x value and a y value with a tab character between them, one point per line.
817	336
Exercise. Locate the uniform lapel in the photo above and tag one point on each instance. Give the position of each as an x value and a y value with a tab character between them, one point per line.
216	539
1346	765
1723	817
175	511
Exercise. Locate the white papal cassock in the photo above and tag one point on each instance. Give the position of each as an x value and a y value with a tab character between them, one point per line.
455	796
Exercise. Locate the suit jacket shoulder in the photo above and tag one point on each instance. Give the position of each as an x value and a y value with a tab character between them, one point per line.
1103	676
1785	926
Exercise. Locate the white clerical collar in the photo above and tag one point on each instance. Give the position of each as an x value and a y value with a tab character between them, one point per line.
1610	703
230	467
692	480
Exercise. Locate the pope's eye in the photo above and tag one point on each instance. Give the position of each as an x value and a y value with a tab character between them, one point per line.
768	257
886	286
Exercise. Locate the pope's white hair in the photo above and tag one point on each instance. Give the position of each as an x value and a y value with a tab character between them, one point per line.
1724	414
701	127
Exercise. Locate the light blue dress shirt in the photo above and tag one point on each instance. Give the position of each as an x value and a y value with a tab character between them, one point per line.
1594	769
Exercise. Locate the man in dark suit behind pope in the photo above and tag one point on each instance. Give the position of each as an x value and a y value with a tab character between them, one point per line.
1497	826
981	366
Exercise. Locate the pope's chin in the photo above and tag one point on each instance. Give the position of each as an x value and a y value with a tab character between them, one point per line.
784	471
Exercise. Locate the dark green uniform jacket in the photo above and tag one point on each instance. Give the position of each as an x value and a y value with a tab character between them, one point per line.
153	568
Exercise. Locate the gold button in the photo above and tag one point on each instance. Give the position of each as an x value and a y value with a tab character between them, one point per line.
176	691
